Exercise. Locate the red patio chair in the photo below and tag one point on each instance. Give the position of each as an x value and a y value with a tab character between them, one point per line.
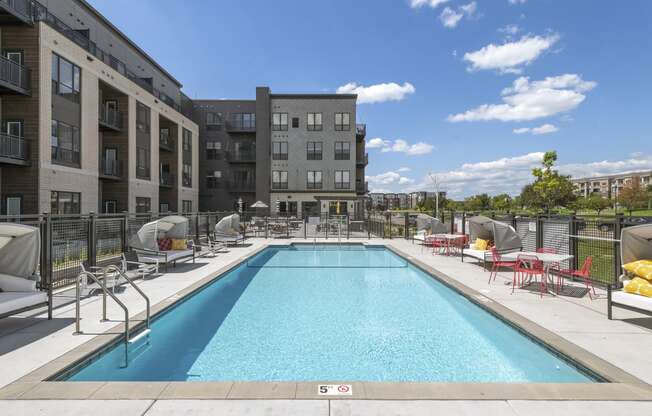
553	266
530	266
497	263
584	273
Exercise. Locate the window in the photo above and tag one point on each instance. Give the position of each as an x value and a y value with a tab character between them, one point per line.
279	179
65	143
164	137
342	121
187	175
314	179
314	122
187	205
213	150
143	119
213	179
342	179
280	150
295	122
142	162
244	121
314	150
66	78
143	205
280	121
163	207
342	150
187	140
65	202
13	205
213	121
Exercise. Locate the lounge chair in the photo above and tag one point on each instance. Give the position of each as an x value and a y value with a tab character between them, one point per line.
145	242
134	268
207	245
227	230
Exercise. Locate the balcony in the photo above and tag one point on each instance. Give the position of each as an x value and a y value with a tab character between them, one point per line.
242	156
241	186
111	169
166	180
14	78
110	119
166	143
238	126
360	131
362	160
16	11
13	150
362	188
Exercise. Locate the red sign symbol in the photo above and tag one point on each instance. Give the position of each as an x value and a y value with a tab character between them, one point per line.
343	388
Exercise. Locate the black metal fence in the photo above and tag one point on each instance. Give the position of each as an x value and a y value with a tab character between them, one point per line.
69	240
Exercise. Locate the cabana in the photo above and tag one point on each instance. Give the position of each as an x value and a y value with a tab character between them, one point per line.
227	230
635	244
146	241
504	237
20	249
428	225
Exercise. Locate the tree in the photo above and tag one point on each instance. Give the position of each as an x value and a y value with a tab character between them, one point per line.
550	189
527	199
501	202
480	202
596	202
633	196
649	196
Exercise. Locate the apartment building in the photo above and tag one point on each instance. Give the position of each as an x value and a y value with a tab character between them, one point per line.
301	154
90	122
610	185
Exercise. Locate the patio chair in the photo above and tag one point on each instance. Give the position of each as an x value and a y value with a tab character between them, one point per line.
208	246
110	279
498	262
584	273
528	267
134	268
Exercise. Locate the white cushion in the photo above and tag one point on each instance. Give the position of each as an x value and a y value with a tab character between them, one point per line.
172	255
478	254
631	299
16	284
13	301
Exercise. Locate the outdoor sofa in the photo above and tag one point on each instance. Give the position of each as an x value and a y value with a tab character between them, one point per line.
146	241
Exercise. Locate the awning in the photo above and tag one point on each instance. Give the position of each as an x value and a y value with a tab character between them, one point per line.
20	249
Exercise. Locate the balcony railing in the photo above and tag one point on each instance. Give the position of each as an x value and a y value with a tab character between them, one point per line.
362	160
361	130
14	77
111	118
242	156
241	186
240	126
166	143
111	168
143	172
166	179
65	156
13	147
362	187
22	9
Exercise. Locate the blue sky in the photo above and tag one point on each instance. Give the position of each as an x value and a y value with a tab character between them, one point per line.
473	91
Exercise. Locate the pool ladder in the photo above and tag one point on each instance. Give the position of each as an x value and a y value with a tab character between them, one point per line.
105	292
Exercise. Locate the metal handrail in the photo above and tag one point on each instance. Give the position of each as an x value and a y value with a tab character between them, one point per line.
113	268
105	292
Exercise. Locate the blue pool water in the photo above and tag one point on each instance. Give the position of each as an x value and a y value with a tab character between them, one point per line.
305	313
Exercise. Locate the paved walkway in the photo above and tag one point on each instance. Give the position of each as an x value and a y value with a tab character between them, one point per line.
27	343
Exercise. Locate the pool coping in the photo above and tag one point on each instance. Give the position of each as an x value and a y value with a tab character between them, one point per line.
37	385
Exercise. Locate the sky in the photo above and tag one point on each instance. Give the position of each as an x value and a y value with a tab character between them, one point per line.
470	92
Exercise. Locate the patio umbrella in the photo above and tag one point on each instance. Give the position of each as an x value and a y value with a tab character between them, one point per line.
636	243
20	249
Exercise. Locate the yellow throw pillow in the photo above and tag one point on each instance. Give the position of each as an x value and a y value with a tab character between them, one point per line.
639	286
481	244
640	268
179	244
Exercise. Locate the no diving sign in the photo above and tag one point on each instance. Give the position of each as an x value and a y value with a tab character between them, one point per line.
335	390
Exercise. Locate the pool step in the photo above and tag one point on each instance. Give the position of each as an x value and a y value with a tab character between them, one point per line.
140	335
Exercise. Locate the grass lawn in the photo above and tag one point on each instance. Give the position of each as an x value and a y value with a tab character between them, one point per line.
603	259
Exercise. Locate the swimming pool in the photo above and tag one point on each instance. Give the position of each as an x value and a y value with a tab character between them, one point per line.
309	313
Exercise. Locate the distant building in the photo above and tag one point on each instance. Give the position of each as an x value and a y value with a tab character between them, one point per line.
605	186
415	198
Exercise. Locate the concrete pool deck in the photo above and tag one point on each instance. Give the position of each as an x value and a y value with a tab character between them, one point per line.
33	349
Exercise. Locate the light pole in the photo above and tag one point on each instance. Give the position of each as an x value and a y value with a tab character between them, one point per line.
615	196
436	183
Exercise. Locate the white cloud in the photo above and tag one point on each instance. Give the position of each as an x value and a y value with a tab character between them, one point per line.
517	1
403	169
415	4
400	146
387	179
509	29
509	56
450	17
543	129
510	174
378	93
526	100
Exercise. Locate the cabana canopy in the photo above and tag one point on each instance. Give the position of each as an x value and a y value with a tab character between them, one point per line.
636	243
504	236
229	225
147	237
426	222
20	249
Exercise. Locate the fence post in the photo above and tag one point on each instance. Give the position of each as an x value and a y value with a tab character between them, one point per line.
539	234
573	240
196	227
305	226
348	226
452	221
92	240
390	225
407	225
125	231
618	226
463	222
